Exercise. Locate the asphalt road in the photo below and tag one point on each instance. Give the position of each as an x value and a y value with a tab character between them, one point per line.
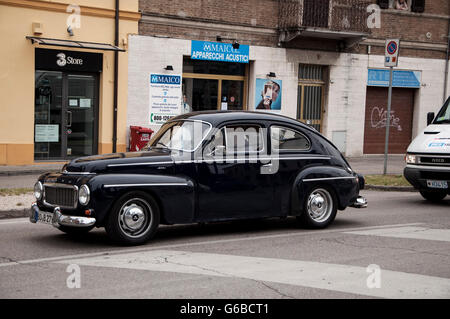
399	247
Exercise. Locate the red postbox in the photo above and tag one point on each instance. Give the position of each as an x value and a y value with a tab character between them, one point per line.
139	137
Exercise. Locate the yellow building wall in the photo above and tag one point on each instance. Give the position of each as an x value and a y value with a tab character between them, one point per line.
17	67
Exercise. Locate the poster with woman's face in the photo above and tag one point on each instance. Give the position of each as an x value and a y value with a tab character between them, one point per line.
268	94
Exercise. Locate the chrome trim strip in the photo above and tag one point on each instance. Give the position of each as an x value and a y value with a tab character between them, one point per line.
144	184
139	164
66	172
224	159
328	178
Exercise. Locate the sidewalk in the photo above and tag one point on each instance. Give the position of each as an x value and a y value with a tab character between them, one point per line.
374	164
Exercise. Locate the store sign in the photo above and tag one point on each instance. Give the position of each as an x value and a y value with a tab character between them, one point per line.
63	60
400	78
216	51
46	133
165	97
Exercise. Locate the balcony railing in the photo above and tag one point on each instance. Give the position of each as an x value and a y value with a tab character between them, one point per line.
331	15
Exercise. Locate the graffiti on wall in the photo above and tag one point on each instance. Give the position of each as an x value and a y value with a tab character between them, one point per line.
378	119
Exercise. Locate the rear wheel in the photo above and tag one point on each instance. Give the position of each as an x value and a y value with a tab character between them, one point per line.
433	196
134	219
319	208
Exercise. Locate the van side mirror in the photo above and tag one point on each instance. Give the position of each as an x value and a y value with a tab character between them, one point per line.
430	117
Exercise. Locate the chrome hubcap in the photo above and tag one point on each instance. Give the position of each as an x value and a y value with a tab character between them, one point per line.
135	217
320	205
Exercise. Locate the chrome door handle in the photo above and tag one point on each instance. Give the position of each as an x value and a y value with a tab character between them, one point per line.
69	124
267	165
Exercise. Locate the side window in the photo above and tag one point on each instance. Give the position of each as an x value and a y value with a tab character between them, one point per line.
217	145
244	138
283	138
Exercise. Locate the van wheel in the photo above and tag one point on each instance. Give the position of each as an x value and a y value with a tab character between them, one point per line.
319	208
134	219
433	196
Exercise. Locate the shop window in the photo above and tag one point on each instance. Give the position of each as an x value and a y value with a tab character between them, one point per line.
211	85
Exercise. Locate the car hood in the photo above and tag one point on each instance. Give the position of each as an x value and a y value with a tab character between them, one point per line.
434	139
100	163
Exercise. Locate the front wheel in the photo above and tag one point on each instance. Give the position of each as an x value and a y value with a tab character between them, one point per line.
134	219
433	196
319	208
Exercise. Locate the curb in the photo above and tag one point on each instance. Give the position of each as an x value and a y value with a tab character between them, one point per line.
27	172
15	213
390	188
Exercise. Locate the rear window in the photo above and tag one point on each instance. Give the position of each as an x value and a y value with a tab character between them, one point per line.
283	138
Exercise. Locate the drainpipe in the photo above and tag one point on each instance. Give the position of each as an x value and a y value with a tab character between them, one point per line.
446	63
116	77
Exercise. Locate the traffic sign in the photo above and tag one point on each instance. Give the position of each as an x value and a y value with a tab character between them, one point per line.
391	52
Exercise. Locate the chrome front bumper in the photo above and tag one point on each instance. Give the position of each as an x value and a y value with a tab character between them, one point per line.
62	220
361	202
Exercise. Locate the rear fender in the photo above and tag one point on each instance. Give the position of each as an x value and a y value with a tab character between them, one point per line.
344	184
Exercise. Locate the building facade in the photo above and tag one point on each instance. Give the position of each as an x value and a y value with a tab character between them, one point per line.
320	61
57	78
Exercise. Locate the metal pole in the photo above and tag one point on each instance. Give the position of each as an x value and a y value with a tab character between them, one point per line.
388	117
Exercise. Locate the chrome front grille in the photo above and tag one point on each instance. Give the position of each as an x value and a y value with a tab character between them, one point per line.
61	195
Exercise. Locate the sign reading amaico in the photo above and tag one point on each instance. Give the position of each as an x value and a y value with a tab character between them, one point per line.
165	97
63	60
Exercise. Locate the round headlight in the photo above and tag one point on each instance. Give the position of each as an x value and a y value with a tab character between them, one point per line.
38	190
84	195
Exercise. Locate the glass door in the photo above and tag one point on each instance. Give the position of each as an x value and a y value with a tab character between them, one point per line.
81	115
66	115
48	115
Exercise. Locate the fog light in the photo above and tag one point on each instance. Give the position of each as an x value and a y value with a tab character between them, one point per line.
84	195
38	190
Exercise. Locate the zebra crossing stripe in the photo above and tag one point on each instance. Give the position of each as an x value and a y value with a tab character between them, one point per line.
334	277
409	232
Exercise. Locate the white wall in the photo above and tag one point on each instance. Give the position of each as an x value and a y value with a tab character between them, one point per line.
345	100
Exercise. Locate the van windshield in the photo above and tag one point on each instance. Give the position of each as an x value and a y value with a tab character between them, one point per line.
444	114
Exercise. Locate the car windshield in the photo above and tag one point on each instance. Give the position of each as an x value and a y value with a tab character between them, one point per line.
444	114
180	135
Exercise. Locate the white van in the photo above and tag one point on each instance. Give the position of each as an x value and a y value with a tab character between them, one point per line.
428	157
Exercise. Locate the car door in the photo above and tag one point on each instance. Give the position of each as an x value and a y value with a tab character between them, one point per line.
230	183
294	150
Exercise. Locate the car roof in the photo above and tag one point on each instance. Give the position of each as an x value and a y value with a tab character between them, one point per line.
218	117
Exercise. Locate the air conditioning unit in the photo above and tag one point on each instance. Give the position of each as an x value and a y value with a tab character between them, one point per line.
418	6
384	4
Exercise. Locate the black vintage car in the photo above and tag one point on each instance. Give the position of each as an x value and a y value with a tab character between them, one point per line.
203	167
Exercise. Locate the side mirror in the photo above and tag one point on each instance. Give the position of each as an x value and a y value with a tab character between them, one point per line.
430	117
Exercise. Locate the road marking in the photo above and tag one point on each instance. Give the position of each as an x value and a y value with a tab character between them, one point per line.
18	221
206	242
407	232
335	277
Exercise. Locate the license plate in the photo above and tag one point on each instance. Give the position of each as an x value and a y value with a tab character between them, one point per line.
44	217
437	184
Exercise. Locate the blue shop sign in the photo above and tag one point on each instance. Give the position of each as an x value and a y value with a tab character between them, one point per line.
400	78
215	51
165	79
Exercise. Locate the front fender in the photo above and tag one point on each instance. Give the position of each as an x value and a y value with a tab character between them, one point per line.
344	184
174	194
